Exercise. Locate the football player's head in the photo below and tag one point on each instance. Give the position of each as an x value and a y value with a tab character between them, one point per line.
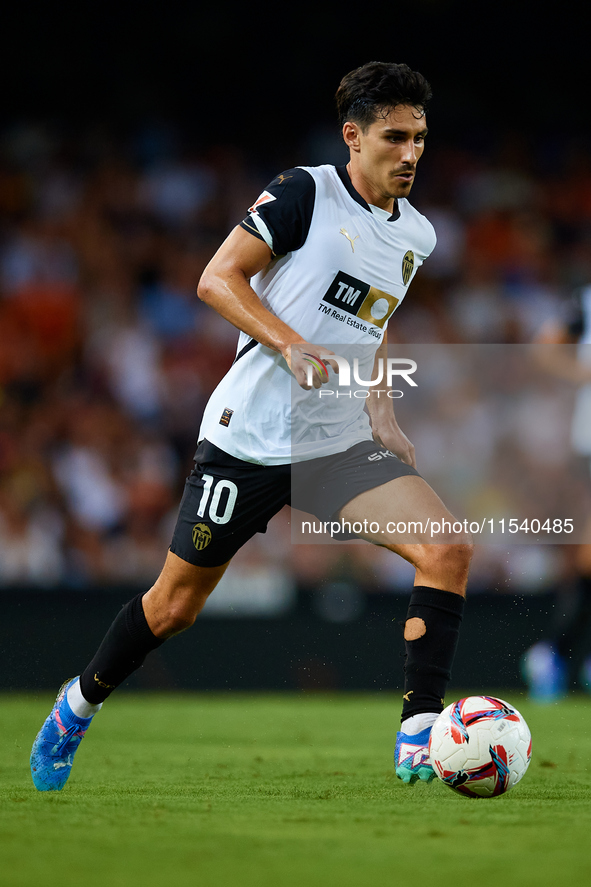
382	110
375	89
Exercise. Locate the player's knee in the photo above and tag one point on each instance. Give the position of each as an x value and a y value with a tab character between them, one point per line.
451	560
462	554
181	613
178	620
175	609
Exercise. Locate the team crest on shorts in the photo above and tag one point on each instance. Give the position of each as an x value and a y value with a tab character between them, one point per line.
408	264
201	536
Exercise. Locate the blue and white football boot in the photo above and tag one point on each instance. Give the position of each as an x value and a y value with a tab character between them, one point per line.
54	748
411	757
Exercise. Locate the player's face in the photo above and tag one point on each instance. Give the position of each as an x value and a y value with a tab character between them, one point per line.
388	151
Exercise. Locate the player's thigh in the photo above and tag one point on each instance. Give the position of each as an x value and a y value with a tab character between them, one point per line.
225	502
406	516
405	511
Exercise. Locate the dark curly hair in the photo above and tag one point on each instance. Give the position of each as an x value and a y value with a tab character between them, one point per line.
374	89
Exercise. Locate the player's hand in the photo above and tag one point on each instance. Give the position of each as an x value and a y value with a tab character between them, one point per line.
390	435
309	364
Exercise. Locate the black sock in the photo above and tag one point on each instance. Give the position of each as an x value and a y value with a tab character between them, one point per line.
122	651
431	644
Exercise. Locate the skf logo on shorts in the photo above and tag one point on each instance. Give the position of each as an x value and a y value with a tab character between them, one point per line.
201	536
226	416
381	454
359	298
408	264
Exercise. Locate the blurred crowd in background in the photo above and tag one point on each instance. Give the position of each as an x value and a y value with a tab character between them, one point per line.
107	357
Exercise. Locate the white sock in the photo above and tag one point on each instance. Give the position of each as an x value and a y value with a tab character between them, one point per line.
79	705
413	725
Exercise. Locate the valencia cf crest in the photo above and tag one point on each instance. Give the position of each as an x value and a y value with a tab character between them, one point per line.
408	264
201	536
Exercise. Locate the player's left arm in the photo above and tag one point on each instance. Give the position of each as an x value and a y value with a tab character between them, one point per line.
385	428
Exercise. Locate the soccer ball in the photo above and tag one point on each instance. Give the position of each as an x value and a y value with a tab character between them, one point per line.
480	746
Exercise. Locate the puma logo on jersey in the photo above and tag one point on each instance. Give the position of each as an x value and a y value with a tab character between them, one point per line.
351	240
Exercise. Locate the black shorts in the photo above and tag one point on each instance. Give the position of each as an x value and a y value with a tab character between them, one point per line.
226	501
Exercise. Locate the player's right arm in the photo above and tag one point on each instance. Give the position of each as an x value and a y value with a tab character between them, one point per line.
277	224
225	286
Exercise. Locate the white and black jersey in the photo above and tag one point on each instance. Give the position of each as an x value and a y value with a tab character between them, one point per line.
340	269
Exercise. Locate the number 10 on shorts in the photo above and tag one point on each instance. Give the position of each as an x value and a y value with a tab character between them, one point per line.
213	491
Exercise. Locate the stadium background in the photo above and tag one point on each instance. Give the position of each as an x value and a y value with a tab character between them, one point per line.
131	143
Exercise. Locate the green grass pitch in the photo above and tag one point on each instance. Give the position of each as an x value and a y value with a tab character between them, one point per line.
283	790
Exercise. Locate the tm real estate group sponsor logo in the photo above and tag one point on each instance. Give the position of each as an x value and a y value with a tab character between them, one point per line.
352	298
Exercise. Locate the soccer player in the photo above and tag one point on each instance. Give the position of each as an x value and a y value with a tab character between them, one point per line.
324	255
552	664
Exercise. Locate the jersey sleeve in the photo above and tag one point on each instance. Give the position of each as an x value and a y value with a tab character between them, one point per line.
282	214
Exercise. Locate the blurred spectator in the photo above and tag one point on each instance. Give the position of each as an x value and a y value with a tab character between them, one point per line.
175	192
